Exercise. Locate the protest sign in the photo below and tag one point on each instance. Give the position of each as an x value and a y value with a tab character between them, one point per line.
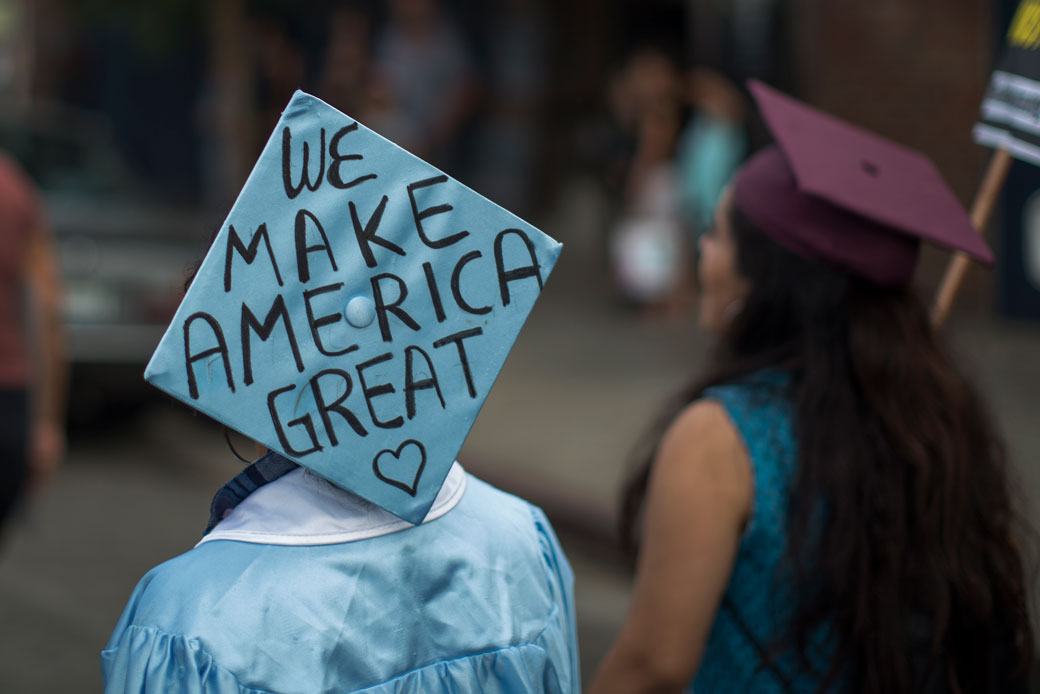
1011	106
1011	124
354	309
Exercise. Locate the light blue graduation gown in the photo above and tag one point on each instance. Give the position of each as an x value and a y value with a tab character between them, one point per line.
477	600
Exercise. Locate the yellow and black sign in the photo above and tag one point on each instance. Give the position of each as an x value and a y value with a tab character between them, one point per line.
1011	107
1024	31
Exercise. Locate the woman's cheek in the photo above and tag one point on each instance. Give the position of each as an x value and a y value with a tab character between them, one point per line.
707	310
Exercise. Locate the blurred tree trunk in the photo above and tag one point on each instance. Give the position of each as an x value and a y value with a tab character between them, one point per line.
227	109
25	49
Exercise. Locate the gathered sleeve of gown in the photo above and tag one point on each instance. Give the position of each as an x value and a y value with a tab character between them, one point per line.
149	660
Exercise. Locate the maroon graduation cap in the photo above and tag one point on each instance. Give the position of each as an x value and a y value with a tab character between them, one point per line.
834	192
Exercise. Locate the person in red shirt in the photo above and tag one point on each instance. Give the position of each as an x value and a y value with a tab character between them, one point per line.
32	365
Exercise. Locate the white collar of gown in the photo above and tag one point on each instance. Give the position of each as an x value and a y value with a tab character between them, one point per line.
303	509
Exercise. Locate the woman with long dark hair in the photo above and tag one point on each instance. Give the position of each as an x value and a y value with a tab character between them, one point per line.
828	509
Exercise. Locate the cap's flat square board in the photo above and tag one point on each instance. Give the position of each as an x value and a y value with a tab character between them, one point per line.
354	310
866	174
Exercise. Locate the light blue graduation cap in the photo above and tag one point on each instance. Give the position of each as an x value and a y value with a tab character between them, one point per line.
354	309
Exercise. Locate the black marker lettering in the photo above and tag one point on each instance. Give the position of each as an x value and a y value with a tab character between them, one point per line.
305	420
221	349
382	308
326	319
418	215
457	339
411	385
435	295
336	406
248	253
507	276
263	331
456	290
371	392
336	159
305	179
302	249
367	235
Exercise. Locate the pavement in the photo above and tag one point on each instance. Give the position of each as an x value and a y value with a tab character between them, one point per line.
584	381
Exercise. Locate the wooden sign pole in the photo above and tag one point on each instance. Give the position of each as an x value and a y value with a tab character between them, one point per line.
981	210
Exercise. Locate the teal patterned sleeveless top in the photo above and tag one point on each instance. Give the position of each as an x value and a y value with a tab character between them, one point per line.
760	409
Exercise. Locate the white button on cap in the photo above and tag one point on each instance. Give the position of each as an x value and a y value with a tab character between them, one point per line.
360	311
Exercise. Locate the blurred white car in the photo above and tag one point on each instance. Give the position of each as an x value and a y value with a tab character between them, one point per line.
124	255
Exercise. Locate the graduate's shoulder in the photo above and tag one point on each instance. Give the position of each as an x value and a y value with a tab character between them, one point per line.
186	572
501	516
483	497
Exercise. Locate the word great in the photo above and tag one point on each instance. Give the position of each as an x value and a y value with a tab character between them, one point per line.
330	388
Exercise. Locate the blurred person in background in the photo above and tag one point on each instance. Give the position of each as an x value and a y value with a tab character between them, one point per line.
351	81
280	70
425	71
346	72
647	244
507	140
828	509
711	146
32	366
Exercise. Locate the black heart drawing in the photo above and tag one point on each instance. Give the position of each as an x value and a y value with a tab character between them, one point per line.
410	489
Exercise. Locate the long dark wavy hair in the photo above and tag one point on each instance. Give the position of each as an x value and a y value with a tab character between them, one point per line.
917	567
